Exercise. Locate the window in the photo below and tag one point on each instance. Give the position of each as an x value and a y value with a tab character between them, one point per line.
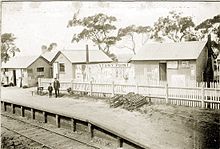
40	69
62	67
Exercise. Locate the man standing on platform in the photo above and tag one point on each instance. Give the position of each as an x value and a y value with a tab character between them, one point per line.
56	86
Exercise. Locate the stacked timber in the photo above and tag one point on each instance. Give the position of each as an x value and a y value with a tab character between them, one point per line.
130	101
116	101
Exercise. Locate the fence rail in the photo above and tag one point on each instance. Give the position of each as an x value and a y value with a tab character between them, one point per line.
187	96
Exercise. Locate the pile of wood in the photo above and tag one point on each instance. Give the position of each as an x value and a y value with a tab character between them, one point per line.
116	101
130	101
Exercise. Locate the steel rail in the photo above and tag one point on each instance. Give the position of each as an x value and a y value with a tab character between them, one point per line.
14	131
41	127
119	136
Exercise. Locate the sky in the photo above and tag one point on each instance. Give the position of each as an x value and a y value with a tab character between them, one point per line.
40	23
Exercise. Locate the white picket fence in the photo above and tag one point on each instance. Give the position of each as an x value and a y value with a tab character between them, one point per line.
188	96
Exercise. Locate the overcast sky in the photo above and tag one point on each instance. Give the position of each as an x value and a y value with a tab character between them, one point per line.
40	23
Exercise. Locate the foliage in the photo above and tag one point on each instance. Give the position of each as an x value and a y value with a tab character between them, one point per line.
98	28
211	26
130	32
8	47
175	27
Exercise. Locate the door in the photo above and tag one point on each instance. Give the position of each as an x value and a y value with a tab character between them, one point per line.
163	71
14	78
56	70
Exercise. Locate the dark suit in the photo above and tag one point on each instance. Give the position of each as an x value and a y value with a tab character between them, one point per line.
56	86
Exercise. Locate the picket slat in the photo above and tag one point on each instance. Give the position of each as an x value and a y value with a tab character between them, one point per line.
187	96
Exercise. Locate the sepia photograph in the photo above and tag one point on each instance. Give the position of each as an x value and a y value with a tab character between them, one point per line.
110	74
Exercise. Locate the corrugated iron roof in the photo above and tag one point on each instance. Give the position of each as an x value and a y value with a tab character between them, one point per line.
170	51
50	55
79	56
124	57
19	62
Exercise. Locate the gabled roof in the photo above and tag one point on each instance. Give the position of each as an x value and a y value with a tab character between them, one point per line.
50	55
79	56
124	57
19	62
171	51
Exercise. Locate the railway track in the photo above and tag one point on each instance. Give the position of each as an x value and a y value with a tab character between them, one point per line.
12	139
94	135
45	138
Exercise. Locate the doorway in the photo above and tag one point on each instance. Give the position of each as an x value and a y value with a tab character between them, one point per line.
14	78
163	71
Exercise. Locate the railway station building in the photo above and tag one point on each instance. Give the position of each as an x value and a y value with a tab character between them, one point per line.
178	64
79	65
24	70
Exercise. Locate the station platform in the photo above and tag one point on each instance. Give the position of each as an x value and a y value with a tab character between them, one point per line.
147	129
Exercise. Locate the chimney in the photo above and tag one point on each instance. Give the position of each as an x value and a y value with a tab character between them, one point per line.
87	54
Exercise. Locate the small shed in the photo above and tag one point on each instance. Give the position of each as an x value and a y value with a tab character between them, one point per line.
177	64
78	64
24	70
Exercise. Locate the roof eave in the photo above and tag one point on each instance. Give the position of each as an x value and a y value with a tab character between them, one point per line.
163	59
91	62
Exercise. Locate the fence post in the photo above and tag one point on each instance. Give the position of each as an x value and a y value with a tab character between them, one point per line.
137	89
203	96
90	88
39	82
167	93
12	108
113	88
71	85
4	106
73	125
58	121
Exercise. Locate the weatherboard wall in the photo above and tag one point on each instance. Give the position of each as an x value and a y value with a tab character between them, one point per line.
178	72
146	71
33	75
68	73
183	75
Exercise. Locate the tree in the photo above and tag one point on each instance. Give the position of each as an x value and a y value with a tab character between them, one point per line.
175	27
211	26
98	28
8	47
130	32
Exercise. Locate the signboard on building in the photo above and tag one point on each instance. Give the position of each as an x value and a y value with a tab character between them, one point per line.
172	64
184	64
115	65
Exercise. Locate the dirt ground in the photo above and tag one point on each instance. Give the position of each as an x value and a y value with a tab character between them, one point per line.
157	126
